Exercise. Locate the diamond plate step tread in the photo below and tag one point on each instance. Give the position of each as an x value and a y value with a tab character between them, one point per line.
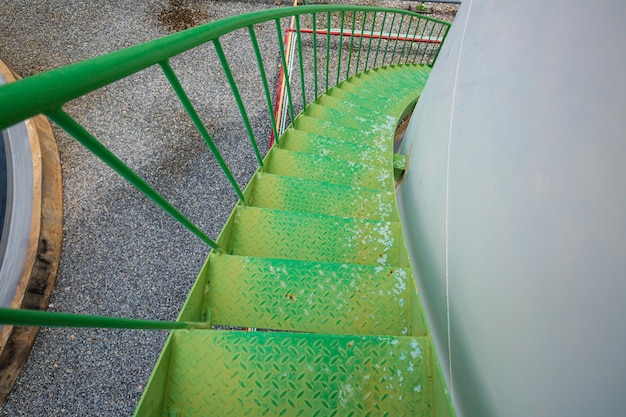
396	102
382	106
304	375
376	87
350	107
362	121
281	234
306	142
321	168
376	135
308	296
311	196
407	72
411	75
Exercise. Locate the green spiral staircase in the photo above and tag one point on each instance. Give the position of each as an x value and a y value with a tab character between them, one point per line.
311	266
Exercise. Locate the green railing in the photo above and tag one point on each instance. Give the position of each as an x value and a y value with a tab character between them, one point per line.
334	42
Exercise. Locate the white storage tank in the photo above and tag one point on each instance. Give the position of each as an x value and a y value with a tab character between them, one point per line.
514	207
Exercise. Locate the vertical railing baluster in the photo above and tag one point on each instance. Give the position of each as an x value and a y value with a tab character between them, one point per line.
351	43
369	45
406	39
343	15
393	20
281	46
358	56
434	58
395	45
85	138
432	29
327	50
235	90
419	46
195	118
315	53
441	43
300	58
380	38
259	60
413	41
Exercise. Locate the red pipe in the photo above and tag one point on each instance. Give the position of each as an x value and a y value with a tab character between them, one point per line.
280	84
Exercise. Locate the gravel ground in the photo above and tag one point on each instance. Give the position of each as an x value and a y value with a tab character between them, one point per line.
121	255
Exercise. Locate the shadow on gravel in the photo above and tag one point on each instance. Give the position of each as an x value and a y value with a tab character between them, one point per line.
180	15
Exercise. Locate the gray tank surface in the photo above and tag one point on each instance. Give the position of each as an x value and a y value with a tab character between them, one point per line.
514	207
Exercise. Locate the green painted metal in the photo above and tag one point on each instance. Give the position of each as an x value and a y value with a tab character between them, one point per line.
380	38
327	48
72	127
23	317
395	45
48	91
408	33
314	34
233	86
281	47
340	48
314	252
351	43
314	244
300	59
369	46
286	294
393	20
195	118
284	374
259	60
358	56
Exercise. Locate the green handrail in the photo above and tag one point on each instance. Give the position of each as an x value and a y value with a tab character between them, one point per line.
48	92
23	317
70	125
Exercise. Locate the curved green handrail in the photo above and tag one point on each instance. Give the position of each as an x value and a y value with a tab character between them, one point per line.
47	91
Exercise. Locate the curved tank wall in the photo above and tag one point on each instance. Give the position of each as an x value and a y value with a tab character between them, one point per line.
514	207
15	229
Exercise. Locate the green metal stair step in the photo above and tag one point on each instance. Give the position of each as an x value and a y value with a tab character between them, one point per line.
408	73
350	107
381	106
365	90
398	99
311	196
381	85
310	296
322	168
266	233
377	135
360	121
286	374
306	142
411	75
